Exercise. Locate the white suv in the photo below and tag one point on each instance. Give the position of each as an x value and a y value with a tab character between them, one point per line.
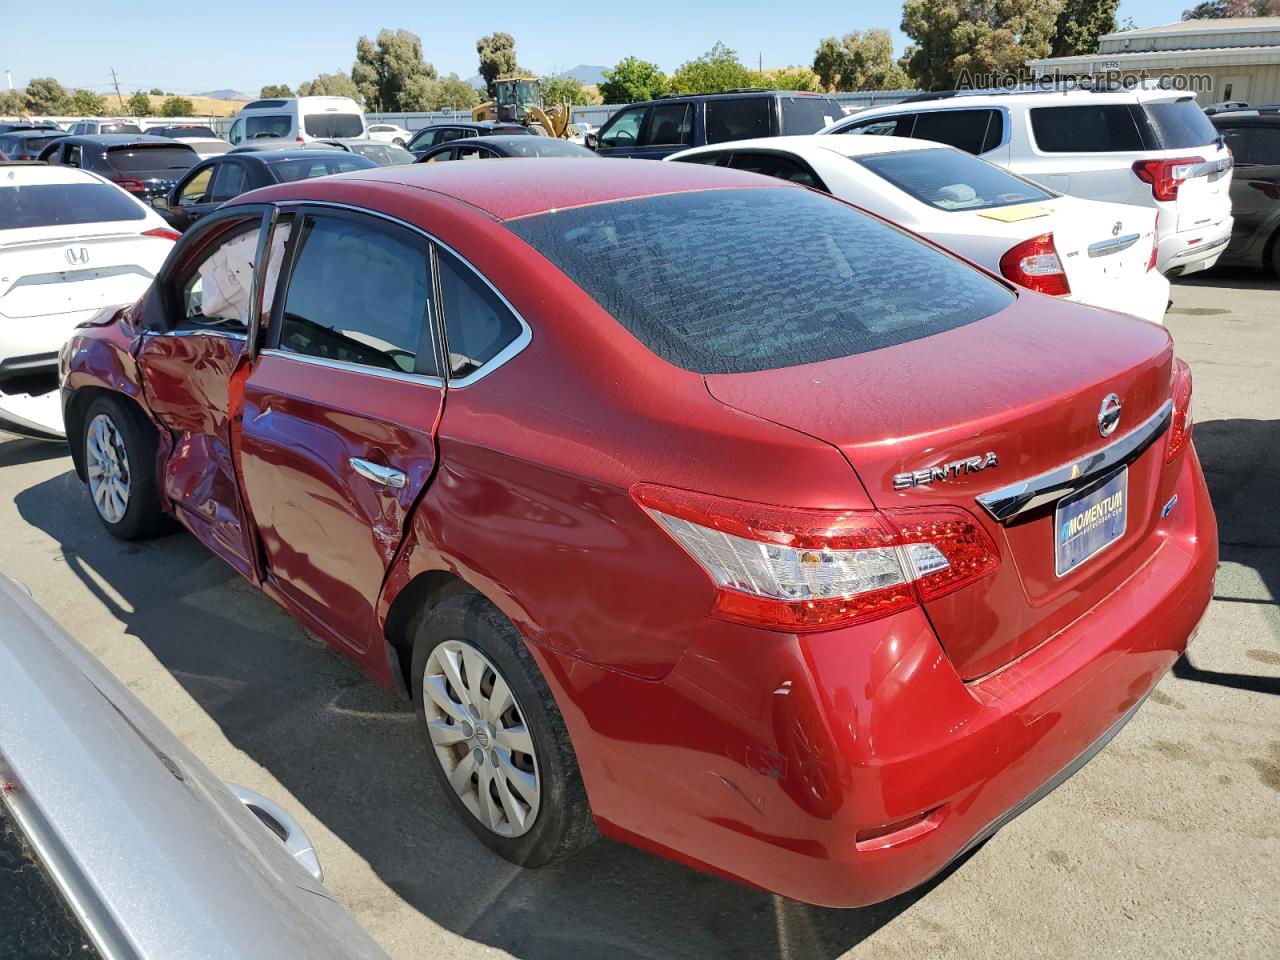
1154	148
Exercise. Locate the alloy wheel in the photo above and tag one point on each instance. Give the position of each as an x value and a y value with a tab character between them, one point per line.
108	468
479	737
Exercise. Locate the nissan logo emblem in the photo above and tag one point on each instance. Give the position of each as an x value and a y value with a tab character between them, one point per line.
77	255
1109	415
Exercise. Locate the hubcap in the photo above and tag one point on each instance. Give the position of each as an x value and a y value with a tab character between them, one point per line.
479	737
108	468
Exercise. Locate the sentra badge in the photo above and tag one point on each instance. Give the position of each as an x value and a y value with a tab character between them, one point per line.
946	471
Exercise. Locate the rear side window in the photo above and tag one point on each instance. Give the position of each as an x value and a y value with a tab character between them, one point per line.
951	180
741	118
149	159
358	294
670	124
802	115
1104	128
333	125
1253	145
776	165
259	127
58	204
478	325
1179	125
682	274
291	171
896	126
967	130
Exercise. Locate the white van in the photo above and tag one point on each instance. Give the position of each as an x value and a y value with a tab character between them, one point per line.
299	118
1153	148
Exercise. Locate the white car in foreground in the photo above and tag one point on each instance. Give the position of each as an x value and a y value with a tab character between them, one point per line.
71	244
389	133
1101	254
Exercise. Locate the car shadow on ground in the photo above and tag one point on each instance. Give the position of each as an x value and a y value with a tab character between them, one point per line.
352	755
1232	278
1241	460
19	450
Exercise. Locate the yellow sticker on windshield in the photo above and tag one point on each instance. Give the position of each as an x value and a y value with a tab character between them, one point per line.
1022	211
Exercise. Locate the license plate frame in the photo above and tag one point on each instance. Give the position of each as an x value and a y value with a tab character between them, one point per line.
1089	521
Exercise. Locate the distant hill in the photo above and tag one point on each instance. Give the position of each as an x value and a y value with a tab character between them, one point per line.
226	95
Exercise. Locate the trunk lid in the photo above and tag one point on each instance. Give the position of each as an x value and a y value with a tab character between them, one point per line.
1102	245
56	270
1026	384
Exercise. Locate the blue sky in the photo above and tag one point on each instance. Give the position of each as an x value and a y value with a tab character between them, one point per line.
190	47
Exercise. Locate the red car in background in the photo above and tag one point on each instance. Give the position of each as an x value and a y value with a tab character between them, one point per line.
687	504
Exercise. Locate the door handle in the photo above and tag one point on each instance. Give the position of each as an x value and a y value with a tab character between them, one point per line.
387	476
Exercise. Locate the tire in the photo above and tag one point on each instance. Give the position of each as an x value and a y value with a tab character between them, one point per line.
117	438
468	638
398	142
1274	259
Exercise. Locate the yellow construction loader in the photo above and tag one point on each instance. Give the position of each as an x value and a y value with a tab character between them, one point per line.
519	100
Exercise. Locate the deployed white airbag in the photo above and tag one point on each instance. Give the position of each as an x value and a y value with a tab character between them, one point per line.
226	278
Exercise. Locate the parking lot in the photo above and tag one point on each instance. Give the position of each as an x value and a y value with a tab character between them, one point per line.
1166	845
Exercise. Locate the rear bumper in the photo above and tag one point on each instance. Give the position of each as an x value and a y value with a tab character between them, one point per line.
847	767
1194	250
1145	296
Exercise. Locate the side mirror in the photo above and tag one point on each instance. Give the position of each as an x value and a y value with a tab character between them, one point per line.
160	204
592	141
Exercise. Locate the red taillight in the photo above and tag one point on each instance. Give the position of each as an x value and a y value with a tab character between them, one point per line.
1035	265
1155	244
1180	428
791	569
164	233
133	186
1166	176
299	139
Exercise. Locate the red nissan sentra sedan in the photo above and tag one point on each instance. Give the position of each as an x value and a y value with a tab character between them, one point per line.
689	505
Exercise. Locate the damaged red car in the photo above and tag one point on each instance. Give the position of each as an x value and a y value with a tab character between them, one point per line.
690	506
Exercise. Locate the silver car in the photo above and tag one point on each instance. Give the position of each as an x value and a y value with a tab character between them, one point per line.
154	856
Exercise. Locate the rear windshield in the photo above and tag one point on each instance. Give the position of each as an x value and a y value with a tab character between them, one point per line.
119	128
58	204
290	171
546	147
1097	128
143	159
802	115
735	281
951	180
334	125
192	131
1180	125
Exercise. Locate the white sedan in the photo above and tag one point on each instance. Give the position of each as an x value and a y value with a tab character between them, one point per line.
389	133
1101	254
71	244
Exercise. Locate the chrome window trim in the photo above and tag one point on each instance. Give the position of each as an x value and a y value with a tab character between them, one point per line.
501	357
418	378
1013	500
226	334
1105	248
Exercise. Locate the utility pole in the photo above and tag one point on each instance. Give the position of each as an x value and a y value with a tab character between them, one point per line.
117	83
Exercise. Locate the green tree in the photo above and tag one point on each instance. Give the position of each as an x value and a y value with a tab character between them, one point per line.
139	105
717	70
564	89
157	92
88	104
177	107
497	54
391	75
633	80
327	85
860	60
45	96
1219	9
11	104
792	78
455	93
1080	24
277	90
976	42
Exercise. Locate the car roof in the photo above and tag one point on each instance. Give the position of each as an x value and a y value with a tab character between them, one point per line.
120	139
811	143
525	186
1251	117
975	99
37	132
728	95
